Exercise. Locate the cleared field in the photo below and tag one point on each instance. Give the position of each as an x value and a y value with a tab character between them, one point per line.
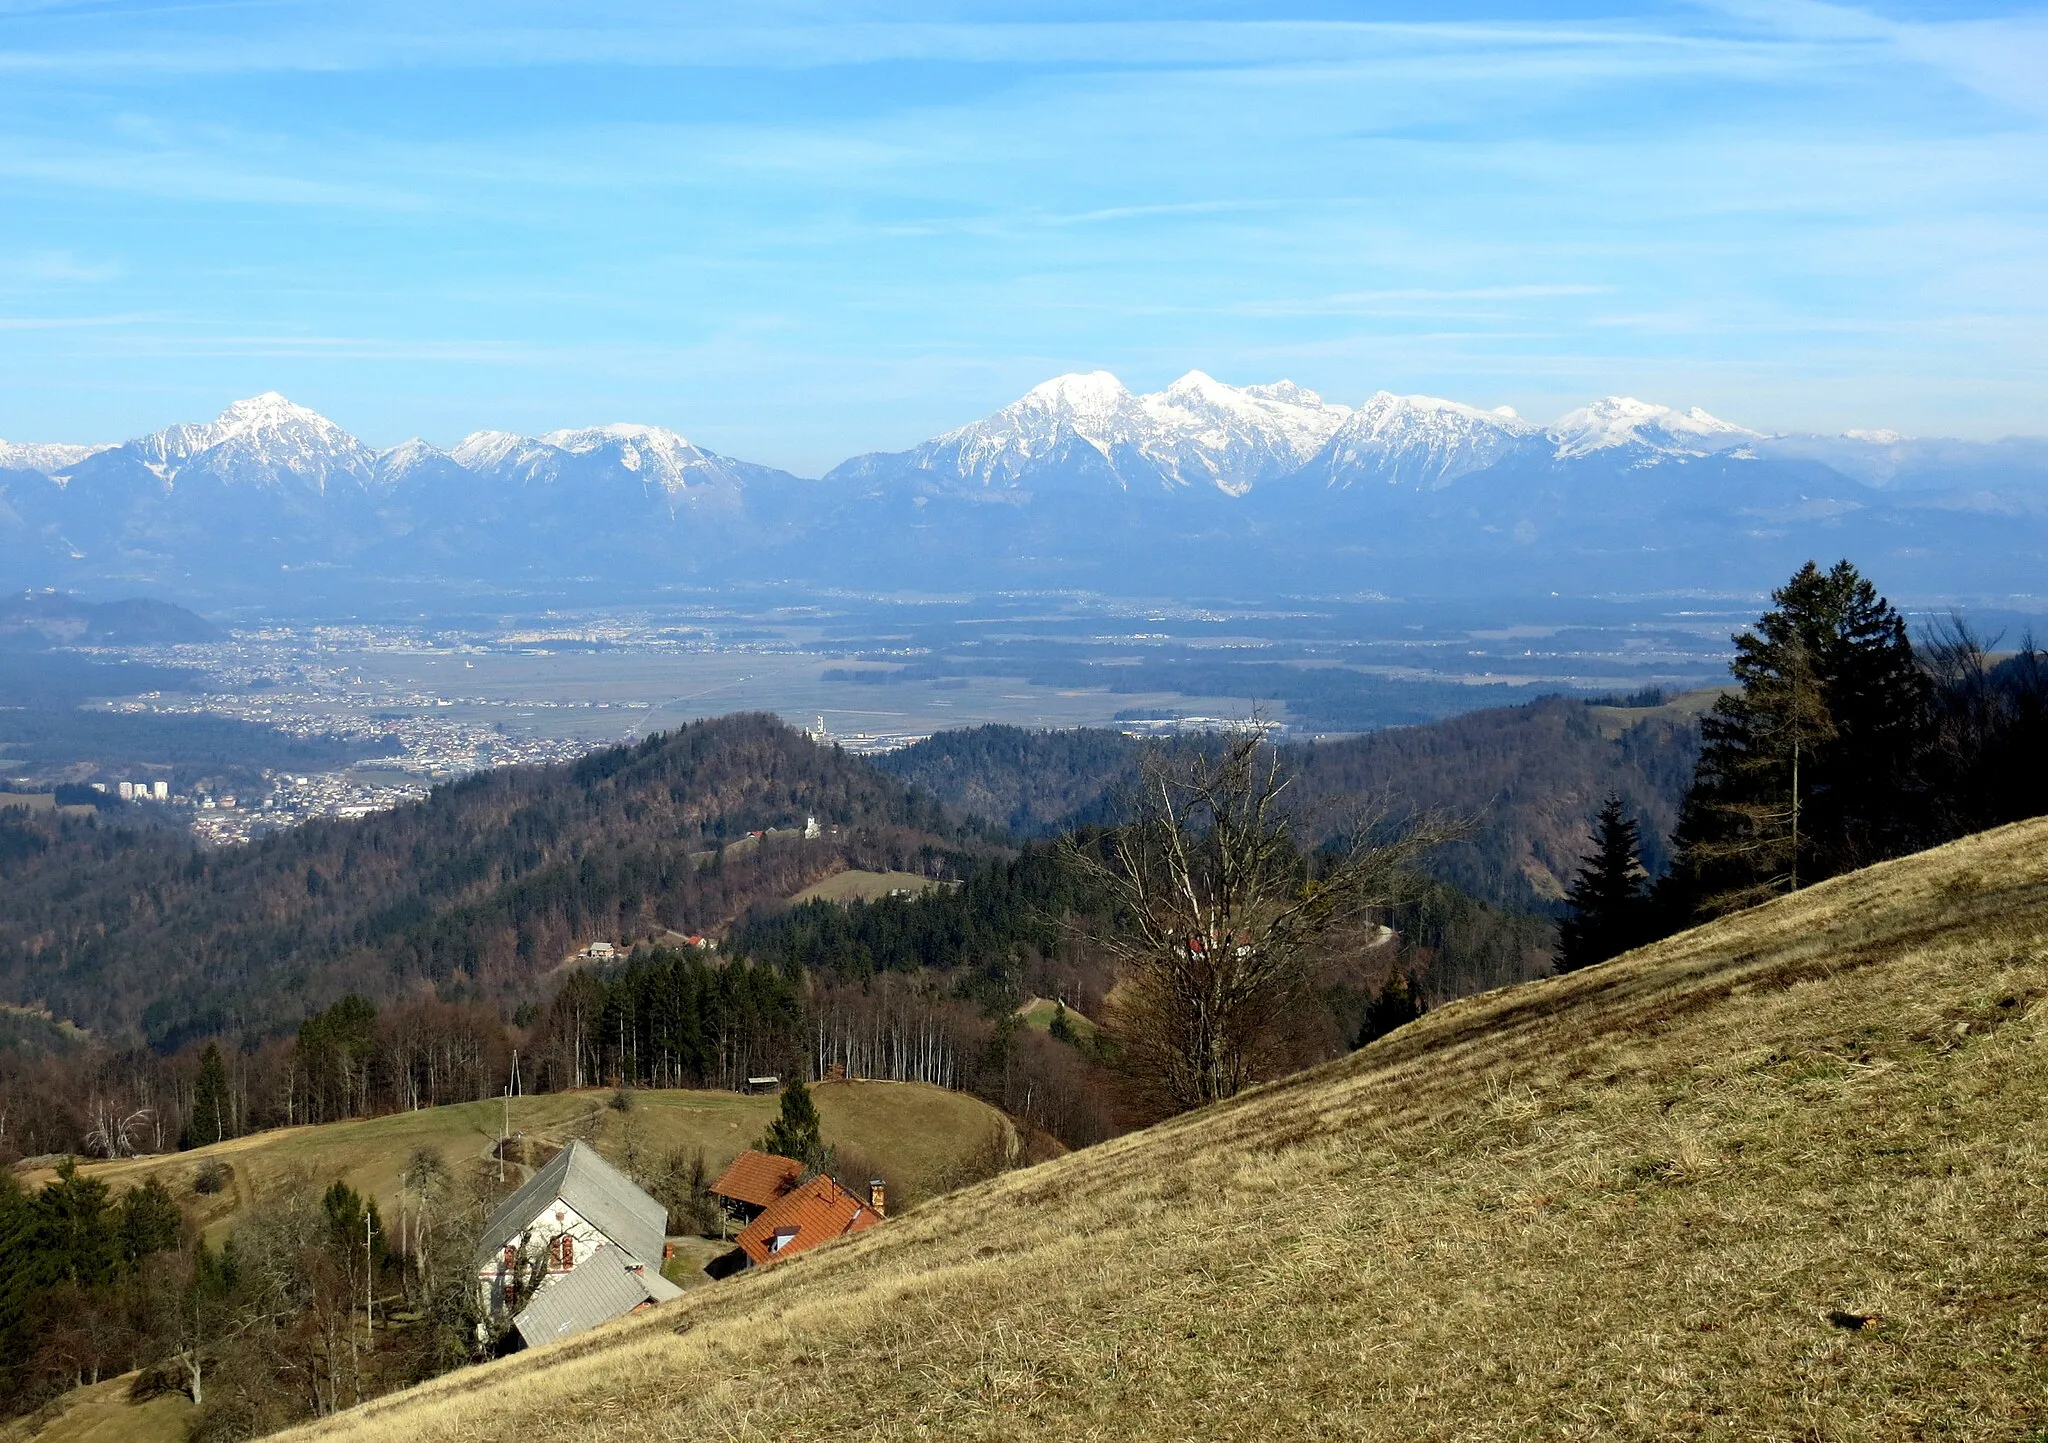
1039	1012
858	886
1778	1178
922	1137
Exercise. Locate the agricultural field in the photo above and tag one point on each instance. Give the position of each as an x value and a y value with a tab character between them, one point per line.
1776	1177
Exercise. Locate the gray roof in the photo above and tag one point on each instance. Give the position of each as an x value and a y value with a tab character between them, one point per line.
603	1286
600	1193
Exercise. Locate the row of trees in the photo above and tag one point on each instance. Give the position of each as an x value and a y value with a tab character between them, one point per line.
1840	744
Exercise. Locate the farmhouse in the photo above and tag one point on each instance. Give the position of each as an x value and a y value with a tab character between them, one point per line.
577	1244
816	1212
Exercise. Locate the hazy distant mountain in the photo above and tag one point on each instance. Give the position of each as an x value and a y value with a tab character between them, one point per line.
1199	489
43	619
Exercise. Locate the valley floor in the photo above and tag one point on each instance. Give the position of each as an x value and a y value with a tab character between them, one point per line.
1780	1177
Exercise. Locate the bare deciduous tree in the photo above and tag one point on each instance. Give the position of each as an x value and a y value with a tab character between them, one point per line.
1221	911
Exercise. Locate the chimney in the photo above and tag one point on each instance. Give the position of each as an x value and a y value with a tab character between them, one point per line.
878	1197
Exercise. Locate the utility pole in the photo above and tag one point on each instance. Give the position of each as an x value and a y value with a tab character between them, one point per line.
369	1284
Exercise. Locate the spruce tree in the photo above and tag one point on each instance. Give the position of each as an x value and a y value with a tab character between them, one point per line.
796	1132
1811	766
213	1107
1608	902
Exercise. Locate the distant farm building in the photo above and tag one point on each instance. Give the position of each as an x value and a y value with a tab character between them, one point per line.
576	1245
600	952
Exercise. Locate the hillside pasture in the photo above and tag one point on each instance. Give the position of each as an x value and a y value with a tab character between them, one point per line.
1779	1177
859	886
923	1138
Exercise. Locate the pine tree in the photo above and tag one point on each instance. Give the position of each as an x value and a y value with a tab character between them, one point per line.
213	1106
1811	766
1608	902
796	1132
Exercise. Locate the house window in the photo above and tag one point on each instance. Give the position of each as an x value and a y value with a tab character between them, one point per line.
561	1253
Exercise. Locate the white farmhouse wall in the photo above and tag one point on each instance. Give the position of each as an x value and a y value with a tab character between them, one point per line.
555	1220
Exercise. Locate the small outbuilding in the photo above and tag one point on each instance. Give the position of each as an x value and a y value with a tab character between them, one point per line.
755	1181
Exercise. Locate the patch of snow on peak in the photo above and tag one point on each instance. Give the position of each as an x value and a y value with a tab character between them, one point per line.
482	449
1882	437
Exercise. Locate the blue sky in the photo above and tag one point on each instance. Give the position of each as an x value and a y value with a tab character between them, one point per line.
798	232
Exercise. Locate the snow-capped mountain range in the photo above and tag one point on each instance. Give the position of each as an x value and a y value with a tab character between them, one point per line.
1094	485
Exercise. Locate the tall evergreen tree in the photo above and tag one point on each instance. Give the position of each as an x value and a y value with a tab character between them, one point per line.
797	1132
1811	766
1608	900
213	1106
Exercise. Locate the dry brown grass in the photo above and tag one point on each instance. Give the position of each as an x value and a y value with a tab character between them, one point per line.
923	1135
103	1413
859	886
1621	1204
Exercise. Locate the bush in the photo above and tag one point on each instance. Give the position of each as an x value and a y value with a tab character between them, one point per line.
213	1176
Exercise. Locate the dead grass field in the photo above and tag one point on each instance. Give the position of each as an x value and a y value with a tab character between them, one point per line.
858	886
921	1134
1778	1178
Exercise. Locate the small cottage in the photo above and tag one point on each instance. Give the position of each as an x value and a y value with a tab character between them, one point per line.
576	1245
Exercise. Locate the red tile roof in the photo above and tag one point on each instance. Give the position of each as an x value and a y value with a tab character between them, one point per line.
758	1178
815	1213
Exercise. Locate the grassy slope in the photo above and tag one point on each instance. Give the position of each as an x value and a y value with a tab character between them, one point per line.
918	1133
102	1413
859	886
1620	1204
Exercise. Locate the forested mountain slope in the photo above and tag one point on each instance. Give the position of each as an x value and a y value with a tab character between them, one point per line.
475	893
1774	1177
1530	779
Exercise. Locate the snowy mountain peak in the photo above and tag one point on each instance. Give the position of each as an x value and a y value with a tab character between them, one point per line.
1078	391
1625	421
1420	441
582	440
264	441
481	449
269	410
1198	431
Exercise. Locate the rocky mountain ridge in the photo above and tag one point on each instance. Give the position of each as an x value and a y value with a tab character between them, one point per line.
1081	482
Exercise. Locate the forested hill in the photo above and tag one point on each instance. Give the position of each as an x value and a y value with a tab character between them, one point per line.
475	893
1531	779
